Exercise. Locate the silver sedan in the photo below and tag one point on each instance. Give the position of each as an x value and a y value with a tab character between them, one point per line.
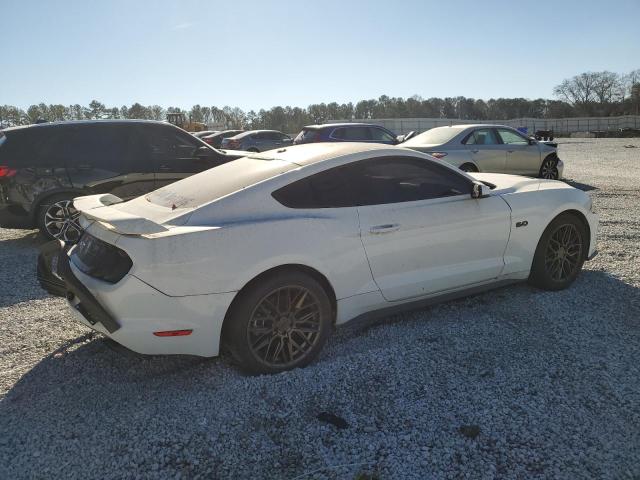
489	148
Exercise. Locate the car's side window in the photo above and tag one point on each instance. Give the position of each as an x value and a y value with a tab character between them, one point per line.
326	189
355	134
510	137
374	181
379	135
338	133
483	136
170	147
101	147
402	179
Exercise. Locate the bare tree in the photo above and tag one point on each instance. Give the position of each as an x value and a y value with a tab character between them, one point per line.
578	91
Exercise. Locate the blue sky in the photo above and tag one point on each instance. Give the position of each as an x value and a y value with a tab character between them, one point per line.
257	54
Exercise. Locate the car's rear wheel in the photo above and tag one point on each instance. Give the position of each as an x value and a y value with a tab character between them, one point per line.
278	324
58	219
549	169
468	167
560	253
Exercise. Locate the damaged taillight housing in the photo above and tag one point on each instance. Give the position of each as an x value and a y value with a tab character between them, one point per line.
100	260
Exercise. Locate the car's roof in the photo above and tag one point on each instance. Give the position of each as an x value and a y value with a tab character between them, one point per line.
253	132
344	124
87	122
310	153
232	177
476	125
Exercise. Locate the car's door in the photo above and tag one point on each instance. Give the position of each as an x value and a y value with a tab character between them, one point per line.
523	157
379	135
485	150
422	231
175	154
276	140
103	158
351	134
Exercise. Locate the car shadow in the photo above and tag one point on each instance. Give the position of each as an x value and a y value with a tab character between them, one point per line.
581	186
18	255
89	380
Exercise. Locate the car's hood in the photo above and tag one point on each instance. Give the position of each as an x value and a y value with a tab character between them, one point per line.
508	183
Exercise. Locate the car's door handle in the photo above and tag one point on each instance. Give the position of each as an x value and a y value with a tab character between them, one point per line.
386	228
509	151
164	168
475	151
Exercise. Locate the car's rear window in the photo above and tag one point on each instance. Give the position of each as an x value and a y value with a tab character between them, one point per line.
435	136
219	182
20	146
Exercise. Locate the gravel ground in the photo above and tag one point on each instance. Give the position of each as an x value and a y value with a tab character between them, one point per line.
513	383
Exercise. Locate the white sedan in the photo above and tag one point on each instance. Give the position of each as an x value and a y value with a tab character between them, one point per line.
267	253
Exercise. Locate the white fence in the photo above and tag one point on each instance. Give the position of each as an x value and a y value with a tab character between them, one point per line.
560	126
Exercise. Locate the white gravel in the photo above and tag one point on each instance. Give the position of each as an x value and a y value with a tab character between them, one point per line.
514	383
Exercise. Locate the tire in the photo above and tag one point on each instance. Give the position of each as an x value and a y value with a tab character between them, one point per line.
560	253
468	167
549	168
263	329
57	219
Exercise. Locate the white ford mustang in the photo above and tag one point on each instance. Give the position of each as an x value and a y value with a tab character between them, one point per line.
266	253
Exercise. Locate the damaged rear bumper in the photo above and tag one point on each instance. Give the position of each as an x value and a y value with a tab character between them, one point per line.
56	277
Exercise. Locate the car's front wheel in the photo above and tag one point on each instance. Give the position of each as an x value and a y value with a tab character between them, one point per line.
549	169
58	219
560	254
278	324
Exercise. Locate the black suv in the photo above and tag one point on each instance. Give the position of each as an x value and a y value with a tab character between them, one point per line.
43	167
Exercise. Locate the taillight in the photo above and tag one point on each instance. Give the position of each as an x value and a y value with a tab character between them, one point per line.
100	260
7	172
438	154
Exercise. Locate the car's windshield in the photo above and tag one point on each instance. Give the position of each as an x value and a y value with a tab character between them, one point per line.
218	182
435	136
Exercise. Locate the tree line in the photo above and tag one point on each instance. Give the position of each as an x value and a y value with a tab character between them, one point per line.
588	94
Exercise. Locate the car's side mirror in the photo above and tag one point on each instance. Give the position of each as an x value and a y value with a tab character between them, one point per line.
532	141
476	190
202	152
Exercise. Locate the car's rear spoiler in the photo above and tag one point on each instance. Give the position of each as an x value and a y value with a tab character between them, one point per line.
100	208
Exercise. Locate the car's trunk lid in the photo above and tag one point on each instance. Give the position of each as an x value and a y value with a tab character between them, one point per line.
136	217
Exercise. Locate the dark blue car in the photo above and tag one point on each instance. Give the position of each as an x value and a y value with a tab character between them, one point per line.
346	132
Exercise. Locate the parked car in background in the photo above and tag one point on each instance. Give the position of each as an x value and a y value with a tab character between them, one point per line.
257	141
267	253
489	148
204	133
43	167
346	132
215	139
